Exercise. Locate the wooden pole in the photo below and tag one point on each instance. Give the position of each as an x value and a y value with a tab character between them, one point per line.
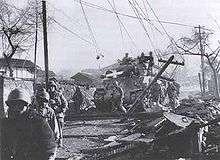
2	111
35	48
45	43
202	61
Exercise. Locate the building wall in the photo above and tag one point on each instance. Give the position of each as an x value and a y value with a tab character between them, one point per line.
19	73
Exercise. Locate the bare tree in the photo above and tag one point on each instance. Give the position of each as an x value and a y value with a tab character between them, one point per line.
191	46
17	28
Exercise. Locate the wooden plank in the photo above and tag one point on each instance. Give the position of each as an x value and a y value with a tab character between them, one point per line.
130	138
148	125
144	140
179	120
103	148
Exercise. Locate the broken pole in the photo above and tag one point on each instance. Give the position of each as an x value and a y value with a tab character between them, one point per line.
144	93
45	43
173	62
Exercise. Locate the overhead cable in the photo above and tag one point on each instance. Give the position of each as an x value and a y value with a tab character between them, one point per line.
124	28
91	5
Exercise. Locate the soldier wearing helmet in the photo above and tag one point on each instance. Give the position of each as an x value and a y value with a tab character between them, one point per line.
172	92
24	134
155	93
42	107
59	104
117	96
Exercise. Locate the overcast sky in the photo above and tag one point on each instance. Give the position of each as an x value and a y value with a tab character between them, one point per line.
68	52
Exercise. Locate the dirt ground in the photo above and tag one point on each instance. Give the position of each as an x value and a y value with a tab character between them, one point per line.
80	135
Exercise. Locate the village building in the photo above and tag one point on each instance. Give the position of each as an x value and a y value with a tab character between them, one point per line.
21	68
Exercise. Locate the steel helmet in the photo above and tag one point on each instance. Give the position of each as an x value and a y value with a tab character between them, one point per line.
18	94
42	93
53	79
52	83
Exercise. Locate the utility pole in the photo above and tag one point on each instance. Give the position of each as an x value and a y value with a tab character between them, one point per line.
45	42
202	61
2	110
35	47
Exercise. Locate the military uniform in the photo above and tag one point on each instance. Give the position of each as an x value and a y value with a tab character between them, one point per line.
172	93
117	96
77	99
27	138
59	104
42	107
155	92
48	113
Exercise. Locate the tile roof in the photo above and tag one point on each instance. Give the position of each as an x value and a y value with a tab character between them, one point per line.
18	63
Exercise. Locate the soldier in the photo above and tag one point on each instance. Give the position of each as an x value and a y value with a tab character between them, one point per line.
42	107
163	92
126	60
142	60
24	134
100	99
155	93
59	104
77	99
150	63
172	93
117	96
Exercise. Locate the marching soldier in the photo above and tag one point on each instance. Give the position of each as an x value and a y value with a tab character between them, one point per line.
42	107
77	99
59	104
25	135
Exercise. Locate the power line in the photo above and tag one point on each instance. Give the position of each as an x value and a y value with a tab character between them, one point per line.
169	37
90	29
125	28
151	25
64	14
75	34
141	22
91	5
70	31
120	27
138	14
144	15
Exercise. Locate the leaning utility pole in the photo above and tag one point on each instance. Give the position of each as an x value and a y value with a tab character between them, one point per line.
45	42
202	61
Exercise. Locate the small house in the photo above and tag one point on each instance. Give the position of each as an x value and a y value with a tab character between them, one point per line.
21	68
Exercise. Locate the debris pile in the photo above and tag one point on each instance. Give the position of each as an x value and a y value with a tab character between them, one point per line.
195	108
191	130
188	129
